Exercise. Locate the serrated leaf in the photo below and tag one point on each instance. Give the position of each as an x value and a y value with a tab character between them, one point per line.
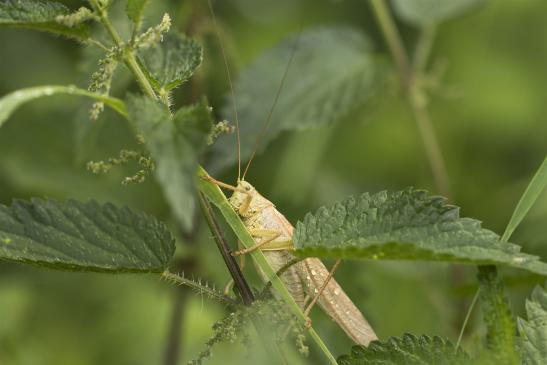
83	237
39	15
175	143
405	225
497	316
425	12
10	102
171	62
135	10
332	72
533	331
407	350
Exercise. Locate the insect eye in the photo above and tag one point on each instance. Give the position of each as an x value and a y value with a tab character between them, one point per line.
248	188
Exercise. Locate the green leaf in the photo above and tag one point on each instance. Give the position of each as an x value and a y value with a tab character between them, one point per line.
135	10
83	237
10	102
534	330
404	225
39	15
171	62
500	324
536	186
407	350
175	143
426	12
332	72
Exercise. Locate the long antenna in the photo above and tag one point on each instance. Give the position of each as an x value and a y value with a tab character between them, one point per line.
269	118
232	92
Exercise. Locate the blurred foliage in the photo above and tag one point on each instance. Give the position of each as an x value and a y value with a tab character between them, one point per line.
488	109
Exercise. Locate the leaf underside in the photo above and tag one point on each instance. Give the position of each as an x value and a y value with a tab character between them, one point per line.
405	225
39	15
175	143
407	350
171	62
83	237
533	331
333	71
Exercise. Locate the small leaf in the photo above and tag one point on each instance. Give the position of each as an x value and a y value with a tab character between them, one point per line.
135	10
10	102
83	237
500	324
425	12
39	15
407	350
405	225
534	330
332	72
536	186
175	143
171	62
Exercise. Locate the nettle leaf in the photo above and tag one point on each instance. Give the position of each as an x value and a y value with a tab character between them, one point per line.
171	62
10	102
333	71
39	15
425	12
83	237
407	350
175	143
135	10
534	330
405	225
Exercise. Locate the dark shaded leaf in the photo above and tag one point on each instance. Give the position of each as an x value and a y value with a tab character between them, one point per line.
83	237
405	225
332	72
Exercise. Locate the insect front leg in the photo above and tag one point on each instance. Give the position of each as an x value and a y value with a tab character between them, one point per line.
267	236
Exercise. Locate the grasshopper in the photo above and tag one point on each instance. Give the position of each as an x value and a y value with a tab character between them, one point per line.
305	280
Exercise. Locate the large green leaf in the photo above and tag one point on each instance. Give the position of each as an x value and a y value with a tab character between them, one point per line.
171	62
39	15
175	143
10	102
332	72
534	330
407	350
83	237
405	225
424	12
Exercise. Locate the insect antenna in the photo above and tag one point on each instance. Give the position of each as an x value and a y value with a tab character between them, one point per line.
232	92
276	98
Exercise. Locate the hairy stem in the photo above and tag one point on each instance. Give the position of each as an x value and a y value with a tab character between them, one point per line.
128	53
202	289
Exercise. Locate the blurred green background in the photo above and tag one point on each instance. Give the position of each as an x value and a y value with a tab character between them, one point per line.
490	114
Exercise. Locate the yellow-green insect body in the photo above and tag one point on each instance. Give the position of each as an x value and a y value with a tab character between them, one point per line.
272	233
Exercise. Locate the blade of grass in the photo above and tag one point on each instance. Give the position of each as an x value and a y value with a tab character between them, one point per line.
536	186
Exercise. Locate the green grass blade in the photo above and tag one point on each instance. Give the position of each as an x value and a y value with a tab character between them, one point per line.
536	186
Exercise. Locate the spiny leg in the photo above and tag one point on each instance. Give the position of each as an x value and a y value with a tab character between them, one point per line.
268	236
320	292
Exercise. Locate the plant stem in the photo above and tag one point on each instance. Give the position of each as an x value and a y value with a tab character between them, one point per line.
239	280
127	54
202	289
415	95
